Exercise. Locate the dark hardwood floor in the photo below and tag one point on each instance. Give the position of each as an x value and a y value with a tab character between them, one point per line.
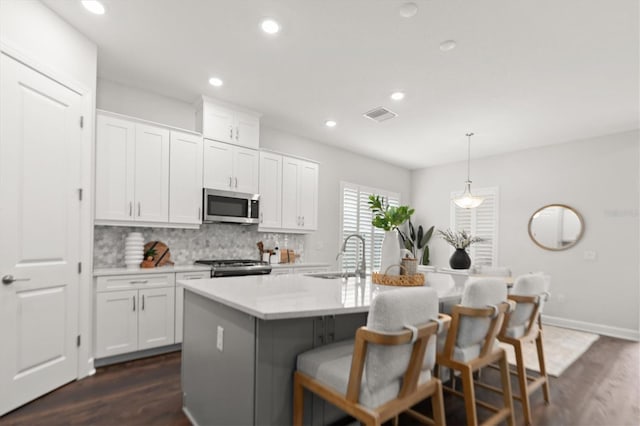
600	388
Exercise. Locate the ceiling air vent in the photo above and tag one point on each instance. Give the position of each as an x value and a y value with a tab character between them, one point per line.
380	114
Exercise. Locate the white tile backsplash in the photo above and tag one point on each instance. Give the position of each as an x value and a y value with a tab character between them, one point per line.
211	241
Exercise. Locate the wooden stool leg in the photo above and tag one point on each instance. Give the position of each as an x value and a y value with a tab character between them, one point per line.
298	401
469	396
506	388
543	369
522	382
437	405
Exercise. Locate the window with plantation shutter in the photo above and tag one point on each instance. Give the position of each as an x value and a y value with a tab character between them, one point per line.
482	222
356	219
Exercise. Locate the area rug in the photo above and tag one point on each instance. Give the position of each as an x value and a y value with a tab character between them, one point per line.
562	347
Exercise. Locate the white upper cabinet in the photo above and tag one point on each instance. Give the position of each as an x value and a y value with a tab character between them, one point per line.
223	122
218	123
185	184
140	167
299	194
230	167
270	190
115	154
151	191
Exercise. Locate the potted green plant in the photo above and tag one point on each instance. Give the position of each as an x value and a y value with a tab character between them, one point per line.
389	218
459	240
416	242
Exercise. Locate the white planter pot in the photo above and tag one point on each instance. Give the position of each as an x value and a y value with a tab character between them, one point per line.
390	253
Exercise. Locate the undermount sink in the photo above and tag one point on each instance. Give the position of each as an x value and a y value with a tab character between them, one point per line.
331	275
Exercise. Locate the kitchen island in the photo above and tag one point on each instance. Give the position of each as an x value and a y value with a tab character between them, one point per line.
242	336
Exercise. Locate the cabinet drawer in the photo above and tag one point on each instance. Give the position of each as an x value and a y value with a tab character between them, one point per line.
134	282
201	275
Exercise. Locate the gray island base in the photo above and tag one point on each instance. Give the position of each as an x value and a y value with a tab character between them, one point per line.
242	336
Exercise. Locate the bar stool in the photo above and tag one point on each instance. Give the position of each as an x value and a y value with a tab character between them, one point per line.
387	369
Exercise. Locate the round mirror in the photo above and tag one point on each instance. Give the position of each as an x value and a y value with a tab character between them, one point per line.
556	227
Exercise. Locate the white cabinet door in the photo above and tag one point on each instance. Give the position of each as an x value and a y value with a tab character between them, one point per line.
270	190
116	323
185	178
218	123
156	323
151	174
308	195
247	130
218	165
40	145
180	298
290	185
246	177
115	153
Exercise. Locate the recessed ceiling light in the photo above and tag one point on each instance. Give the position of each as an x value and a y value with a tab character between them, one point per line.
270	26
330	123
215	81
408	10
397	96
447	45
93	6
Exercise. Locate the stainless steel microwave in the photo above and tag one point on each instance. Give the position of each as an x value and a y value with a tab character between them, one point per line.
229	206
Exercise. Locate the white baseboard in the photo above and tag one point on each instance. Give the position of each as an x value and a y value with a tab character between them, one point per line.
605	330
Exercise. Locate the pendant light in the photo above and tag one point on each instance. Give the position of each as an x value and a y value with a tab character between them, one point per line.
468	200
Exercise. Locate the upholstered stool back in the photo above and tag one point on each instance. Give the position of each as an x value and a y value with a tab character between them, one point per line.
527	285
479	293
391	311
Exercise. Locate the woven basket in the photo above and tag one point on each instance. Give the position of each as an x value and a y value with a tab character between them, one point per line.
414	280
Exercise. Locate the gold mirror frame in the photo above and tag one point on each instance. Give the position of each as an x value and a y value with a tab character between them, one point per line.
578	237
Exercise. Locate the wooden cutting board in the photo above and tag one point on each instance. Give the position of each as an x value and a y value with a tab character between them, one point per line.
160	258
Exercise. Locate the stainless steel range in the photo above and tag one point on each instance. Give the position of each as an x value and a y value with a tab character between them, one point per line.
236	267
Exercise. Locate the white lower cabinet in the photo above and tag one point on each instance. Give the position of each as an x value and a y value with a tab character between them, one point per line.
180	298
133	313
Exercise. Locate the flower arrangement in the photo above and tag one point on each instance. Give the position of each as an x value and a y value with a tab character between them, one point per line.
459	239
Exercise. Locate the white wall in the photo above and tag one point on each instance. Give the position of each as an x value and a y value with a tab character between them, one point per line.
150	106
599	178
42	40
336	165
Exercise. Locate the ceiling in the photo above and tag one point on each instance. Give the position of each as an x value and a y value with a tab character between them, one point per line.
524	73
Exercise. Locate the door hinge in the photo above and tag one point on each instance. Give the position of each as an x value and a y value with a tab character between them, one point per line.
78	340
82	122
79	267
80	194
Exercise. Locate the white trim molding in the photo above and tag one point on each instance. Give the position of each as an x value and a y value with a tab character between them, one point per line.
605	330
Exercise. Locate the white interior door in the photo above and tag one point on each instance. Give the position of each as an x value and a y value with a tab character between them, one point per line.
40	139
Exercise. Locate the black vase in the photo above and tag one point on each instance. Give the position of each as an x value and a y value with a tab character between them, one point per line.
460	259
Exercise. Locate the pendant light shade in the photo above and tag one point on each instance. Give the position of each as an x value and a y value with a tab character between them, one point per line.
467	200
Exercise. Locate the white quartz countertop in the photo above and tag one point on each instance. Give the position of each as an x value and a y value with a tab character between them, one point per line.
271	297
101	272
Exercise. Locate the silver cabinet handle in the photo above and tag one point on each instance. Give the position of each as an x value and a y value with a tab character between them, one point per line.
199	211
236	179
134	303
230	182
302	220
237	133
143	302
230	132
138	208
138	282
10	279
130	208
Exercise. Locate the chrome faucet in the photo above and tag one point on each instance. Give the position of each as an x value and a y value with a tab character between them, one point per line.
361	270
